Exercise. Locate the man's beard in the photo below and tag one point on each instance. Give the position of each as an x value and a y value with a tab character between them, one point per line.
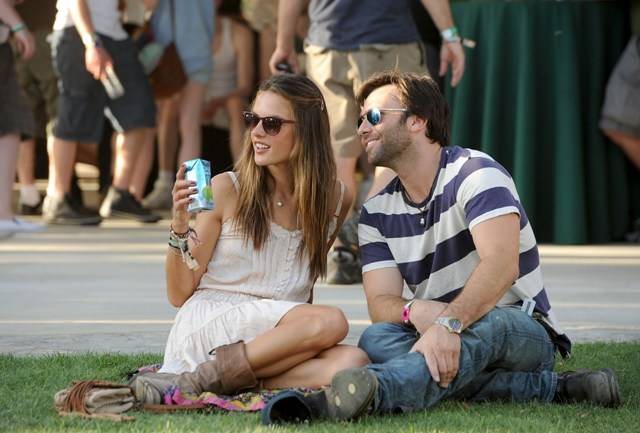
392	144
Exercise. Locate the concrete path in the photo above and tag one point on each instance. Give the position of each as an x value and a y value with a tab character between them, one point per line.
102	290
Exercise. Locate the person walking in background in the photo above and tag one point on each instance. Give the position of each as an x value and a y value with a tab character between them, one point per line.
89	45
246	316
15	116
231	82
40	85
348	41
190	25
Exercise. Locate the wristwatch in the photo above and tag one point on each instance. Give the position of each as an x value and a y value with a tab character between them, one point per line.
452	324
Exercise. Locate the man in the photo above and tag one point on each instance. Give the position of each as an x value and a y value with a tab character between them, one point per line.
451	227
348	41
40	87
15	117
88	43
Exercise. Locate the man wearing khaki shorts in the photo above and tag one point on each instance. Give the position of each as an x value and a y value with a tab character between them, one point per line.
348	41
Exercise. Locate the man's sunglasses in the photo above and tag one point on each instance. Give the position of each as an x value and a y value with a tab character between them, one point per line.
270	124
374	115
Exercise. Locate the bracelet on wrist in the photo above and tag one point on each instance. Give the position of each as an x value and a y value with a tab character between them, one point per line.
450	34
180	242
18	27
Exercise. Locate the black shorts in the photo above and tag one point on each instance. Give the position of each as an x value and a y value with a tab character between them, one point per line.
15	115
83	99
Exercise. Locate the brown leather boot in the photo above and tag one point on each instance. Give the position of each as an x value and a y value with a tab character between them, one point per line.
228	374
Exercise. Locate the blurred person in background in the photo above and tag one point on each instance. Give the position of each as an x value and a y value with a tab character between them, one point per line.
40	86
15	116
348	41
231	82
620	118
190	25
89	46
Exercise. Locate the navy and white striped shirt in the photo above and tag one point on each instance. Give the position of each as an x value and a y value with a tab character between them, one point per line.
436	259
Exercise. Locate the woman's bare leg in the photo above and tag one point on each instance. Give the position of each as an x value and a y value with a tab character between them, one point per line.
304	332
318	371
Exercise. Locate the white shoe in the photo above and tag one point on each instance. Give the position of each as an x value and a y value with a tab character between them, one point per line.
11	226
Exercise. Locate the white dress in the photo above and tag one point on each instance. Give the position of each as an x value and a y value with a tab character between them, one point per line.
243	293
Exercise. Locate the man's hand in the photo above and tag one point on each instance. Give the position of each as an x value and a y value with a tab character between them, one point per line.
452	52
283	56
97	60
441	350
24	43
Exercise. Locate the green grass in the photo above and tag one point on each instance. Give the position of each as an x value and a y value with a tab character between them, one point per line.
27	385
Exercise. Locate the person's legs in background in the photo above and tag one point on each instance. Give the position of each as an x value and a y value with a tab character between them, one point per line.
191	101
133	116
167	137
234	106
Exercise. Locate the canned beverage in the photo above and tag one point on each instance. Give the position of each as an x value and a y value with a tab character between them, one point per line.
199	171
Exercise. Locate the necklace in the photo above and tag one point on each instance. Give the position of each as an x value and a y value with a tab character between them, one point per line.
422	210
279	203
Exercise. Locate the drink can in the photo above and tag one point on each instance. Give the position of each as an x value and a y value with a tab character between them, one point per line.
199	171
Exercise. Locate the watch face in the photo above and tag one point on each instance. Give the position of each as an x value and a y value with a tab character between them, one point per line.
455	325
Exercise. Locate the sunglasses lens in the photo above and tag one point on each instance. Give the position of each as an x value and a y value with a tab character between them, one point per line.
250	119
271	125
373	116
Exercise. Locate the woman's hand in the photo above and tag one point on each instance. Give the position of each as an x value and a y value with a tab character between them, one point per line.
182	190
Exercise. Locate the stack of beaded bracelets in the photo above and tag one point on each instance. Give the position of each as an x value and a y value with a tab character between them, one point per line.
180	242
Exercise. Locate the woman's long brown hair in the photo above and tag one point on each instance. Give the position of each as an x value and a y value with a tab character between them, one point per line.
313	168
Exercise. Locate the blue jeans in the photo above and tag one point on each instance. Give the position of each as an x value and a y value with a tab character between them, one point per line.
505	355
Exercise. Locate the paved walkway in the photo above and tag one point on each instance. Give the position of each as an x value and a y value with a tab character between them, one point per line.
102	290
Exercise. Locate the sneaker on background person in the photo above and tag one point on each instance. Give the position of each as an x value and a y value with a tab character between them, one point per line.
122	204
67	211
160	198
11	226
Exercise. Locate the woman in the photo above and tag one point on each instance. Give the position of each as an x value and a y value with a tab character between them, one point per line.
265	243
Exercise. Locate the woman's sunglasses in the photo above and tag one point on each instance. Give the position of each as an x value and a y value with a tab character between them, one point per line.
270	124
374	115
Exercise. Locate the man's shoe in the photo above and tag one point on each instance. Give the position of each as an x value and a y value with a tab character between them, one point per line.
160	198
62	211
596	387
350	395
343	266
121	204
27	209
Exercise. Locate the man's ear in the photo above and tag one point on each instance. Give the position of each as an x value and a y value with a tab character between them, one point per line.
416	124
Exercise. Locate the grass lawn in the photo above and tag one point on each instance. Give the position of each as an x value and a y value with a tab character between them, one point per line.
27	385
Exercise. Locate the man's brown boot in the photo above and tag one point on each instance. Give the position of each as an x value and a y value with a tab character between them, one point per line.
229	373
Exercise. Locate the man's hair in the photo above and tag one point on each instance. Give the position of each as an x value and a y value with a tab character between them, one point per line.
420	95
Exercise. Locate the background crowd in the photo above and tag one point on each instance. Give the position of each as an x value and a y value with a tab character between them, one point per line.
136	127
